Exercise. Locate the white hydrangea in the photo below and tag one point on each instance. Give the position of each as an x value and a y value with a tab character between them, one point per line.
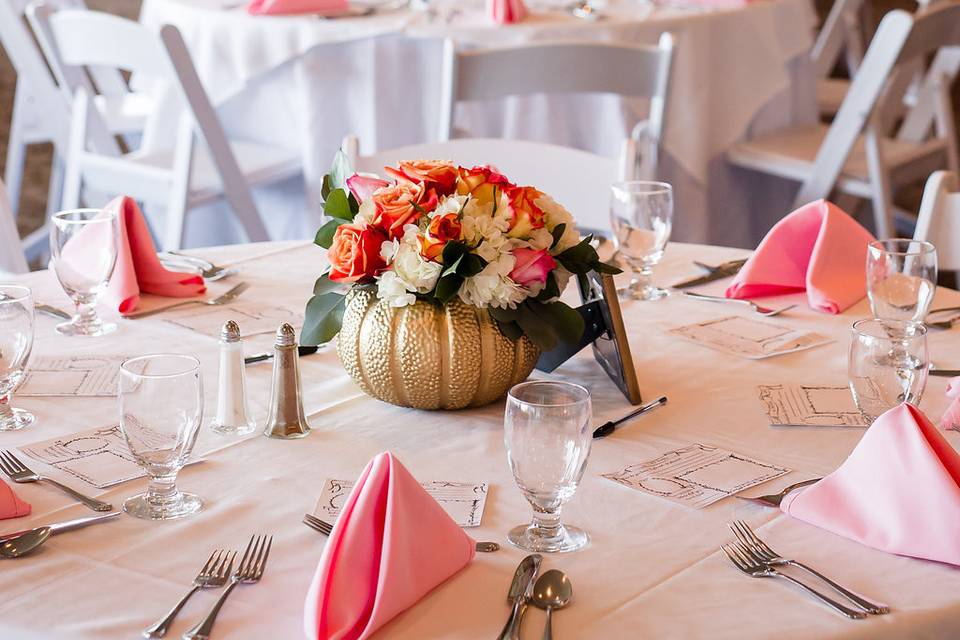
492	287
392	289
367	212
450	204
555	214
410	274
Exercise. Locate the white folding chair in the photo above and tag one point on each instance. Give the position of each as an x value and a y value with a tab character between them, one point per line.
12	258
567	67
939	218
867	151
544	166
169	170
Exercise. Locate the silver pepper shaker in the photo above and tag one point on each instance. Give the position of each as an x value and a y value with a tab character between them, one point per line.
233	412
286	419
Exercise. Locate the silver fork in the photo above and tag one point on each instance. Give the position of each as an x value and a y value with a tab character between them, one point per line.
250	570
224	298
774	499
208	270
763	311
19	472
768	556
213	574
743	560
326	529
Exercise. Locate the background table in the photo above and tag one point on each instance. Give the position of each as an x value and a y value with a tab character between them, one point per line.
653	569
307	82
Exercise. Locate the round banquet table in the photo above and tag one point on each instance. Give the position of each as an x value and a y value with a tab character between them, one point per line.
652	570
306	82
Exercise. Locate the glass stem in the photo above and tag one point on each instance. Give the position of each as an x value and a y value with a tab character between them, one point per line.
86	315
6	412
547	523
641	278
162	490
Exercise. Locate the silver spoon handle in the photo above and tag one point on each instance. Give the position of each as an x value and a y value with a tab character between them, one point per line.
93	503
160	628
860	601
548	625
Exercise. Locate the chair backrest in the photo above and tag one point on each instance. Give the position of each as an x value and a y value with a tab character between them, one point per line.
545	166
939	218
841	32
563	67
12	258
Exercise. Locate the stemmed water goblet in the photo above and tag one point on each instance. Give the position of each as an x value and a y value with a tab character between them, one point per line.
901	278
16	343
547	434
83	250
161	407
887	364
641	216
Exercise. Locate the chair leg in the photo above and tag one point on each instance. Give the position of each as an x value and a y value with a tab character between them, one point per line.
13	174
55	188
881	196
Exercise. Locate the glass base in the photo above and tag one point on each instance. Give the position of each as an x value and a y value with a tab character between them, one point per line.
642	293
565	540
172	507
233	430
18	419
72	328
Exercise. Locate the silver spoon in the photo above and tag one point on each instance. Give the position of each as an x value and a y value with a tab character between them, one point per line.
552	591
24	544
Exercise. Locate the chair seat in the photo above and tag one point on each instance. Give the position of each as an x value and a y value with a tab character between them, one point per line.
830	95
126	113
258	163
791	154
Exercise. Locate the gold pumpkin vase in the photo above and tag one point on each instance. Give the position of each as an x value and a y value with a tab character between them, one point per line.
429	356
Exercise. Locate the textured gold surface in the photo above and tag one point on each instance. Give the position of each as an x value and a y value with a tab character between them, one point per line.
427	356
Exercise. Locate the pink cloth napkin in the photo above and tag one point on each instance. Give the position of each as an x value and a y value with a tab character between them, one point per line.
10	505
290	7
951	417
138	268
391	545
818	249
506	11
899	491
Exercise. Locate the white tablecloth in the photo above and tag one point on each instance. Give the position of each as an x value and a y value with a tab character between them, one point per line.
308	82
653	569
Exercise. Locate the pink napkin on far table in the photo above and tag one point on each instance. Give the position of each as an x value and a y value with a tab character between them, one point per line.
951	417
391	545
138	268
506	11
10	505
818	249
291	7
899	491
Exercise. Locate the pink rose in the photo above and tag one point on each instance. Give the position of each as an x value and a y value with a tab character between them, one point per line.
362	187
531	266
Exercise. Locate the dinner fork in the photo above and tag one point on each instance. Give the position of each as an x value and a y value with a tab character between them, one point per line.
768	556
326	529
208	270
19	472
250	570
743	560
224	298
763	311
213	574
774	499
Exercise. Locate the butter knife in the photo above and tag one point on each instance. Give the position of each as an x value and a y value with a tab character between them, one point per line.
50	310
944	373
725	270
69	525
522	583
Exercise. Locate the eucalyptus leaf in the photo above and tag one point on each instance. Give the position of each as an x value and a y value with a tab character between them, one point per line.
325	285
324	236
322	319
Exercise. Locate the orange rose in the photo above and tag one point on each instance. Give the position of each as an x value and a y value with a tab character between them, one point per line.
439	175
442	229
399	204
481	183
527	216
355	253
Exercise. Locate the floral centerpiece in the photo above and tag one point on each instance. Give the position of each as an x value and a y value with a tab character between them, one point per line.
449	240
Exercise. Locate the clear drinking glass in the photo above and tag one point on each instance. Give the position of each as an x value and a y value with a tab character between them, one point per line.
641	215
887	364
548	435
16	342
161	406
901	278
83	249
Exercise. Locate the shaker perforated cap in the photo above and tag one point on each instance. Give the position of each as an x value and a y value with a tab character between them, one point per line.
286	336
230	332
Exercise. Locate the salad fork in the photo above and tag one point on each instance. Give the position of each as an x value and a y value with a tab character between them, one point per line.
774	499
763	311
249	571
743	560
18	472
213	574
768	556
224	298
326	529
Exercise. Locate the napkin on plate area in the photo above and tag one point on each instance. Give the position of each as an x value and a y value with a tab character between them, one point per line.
292	7
506	11
818	249
390	546
138	269
951	417
10	505
898	491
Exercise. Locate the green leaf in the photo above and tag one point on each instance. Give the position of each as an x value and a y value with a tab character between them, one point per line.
567	322
551	289
582	258
447	288
510	329
471	264
354	204
325	188
603	267
324	236
340	171
452	252
453	267
338	206
325	285
557	233
504	315
322	319
541	333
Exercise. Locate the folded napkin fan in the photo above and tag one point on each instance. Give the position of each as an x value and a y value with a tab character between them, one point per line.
899	491
10	505
291	7
391	545
818	249
506	11
138	268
